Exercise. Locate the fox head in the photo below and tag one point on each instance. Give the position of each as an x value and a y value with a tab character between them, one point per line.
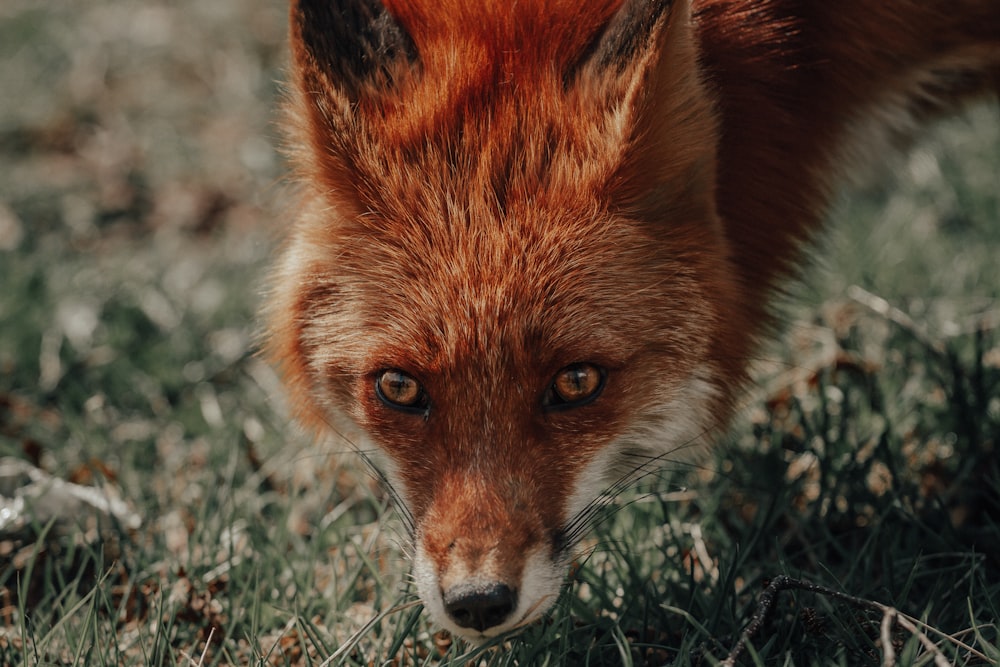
507	283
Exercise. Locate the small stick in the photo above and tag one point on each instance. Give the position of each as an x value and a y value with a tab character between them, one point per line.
897	316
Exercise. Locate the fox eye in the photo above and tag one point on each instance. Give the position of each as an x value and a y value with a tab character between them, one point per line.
575	385
400	391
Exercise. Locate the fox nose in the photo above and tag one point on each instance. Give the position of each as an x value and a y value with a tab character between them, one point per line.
480	607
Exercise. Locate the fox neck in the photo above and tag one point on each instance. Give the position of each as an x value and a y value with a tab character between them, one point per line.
809	92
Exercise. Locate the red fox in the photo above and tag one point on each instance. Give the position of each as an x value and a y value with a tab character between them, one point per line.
537	240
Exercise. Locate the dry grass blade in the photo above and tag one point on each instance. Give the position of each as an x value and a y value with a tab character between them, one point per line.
354	639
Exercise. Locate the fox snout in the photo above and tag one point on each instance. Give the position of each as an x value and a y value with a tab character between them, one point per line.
489	564
484	604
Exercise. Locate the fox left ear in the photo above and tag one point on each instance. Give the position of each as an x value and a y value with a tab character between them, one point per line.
646	67
629	34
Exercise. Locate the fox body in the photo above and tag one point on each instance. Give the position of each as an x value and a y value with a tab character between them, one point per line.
536	240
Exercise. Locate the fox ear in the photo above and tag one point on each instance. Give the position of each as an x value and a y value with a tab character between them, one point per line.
646	66
629	34
347	49
346	56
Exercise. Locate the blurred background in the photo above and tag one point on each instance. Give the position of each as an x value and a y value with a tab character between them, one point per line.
140	179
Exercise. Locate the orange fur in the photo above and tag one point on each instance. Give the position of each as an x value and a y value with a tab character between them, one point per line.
494	191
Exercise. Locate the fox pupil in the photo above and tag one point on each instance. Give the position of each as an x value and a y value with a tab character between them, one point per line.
399	389
577	383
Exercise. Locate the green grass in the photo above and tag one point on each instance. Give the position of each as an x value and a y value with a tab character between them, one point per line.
138	212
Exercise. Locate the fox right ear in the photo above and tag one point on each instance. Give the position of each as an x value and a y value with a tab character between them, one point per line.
345	51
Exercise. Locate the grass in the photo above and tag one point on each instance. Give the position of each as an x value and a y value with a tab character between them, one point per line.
138	210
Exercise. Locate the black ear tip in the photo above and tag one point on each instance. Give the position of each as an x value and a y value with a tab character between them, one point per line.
628	32
350	40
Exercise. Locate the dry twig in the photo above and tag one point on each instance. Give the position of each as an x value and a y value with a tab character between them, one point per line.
890	615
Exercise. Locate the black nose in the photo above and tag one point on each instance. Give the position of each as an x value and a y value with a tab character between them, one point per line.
480	607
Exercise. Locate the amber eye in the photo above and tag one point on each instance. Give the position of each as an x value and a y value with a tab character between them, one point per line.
398	390
575	385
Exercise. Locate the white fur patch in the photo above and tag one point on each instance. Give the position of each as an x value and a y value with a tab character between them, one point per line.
680	429
676	432
430	590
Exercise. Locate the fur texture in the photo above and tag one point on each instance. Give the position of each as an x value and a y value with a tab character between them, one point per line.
494	192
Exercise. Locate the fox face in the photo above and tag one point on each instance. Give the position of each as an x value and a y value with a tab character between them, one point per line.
497	288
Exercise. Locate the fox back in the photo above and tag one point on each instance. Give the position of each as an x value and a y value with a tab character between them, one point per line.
535	244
